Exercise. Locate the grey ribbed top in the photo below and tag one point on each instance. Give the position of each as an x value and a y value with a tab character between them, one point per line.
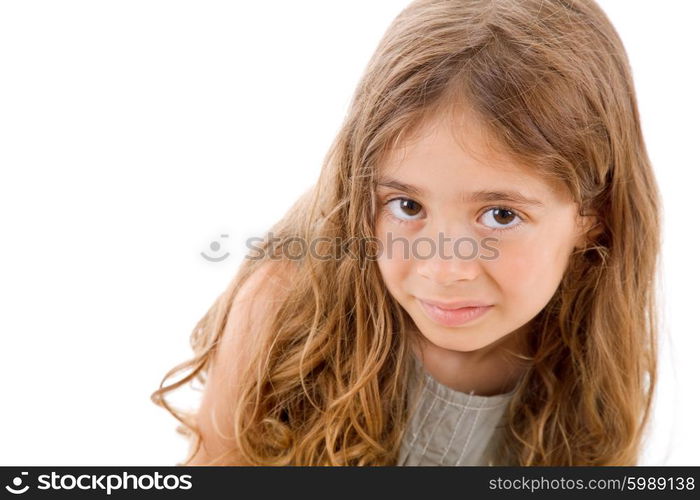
449	427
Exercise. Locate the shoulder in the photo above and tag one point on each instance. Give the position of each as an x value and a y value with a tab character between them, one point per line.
253	305
269	281
239	342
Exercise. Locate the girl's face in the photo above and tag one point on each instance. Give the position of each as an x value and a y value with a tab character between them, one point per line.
459	224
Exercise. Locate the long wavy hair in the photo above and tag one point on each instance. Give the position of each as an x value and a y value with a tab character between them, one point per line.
551	81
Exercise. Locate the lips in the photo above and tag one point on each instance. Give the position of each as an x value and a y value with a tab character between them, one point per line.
454	316
456	305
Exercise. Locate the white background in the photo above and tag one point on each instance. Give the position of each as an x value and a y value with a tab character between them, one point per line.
135	133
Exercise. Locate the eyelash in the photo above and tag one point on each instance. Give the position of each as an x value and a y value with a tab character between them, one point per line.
498	207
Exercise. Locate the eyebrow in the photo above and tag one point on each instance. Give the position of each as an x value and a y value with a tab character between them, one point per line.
474	196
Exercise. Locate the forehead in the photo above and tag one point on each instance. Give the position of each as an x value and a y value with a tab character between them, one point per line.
452	151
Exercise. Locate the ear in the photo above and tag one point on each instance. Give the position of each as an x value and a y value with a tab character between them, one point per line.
589	228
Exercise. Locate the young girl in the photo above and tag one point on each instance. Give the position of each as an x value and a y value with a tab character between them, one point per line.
477	269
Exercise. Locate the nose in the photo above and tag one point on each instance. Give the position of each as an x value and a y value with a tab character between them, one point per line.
449	259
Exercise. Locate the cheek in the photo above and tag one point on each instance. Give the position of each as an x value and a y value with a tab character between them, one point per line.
393	267
394	273
532	268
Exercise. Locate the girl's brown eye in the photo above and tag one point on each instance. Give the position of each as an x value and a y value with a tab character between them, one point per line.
502	219
409	207
503	216
404	209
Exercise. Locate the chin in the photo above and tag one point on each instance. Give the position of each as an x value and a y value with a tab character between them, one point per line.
454	339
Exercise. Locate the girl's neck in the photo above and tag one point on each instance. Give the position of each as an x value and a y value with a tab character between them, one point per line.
494	369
